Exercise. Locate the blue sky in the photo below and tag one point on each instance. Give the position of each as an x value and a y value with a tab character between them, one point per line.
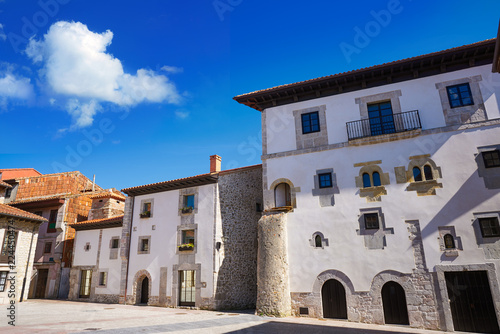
141	92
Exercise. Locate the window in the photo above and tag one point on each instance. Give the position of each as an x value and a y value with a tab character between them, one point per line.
189	201
325	180
367	183
8	192
47	248
428	173
282	195
417	174
371	221
86	247
459	95
318	241
144	245
489	227
449	242
146	210
85	282
376	179
103	278
381	118
188	237
3	279
310	122
51	227
491	159
115	243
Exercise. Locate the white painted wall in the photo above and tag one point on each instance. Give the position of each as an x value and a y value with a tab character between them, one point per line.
164	238
81	257
113	267
463	194
419	94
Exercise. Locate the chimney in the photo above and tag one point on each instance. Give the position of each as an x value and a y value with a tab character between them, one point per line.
215	163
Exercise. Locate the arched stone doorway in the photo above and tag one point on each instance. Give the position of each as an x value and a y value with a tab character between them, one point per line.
394	303
144	293
334	300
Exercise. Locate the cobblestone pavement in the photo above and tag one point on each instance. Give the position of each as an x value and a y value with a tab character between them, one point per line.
53	316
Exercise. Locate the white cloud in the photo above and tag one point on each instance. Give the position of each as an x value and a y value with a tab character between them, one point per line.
182	114
3	37
76	64
16	87
82	113
172	69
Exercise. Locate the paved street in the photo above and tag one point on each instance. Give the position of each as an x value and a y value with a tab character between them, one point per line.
51	316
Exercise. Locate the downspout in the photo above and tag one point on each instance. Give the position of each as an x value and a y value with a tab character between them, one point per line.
128	251
28	263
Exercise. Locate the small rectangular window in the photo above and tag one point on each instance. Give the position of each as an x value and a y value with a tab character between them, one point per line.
371	221
3	279
47	248
144	245
85	283
491	159
325	180
51	227
103	278
115	243
8	192
188	237
459	95
310	122
189	201
146	210
489	227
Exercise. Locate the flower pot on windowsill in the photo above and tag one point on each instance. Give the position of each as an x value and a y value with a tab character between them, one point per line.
186	247
145	214
187	210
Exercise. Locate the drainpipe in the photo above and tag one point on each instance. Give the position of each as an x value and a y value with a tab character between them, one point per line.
28	263
128	250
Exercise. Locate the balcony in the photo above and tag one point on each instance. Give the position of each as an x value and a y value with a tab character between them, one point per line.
383	125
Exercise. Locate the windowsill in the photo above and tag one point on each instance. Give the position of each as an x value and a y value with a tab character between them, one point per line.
280	208
143	217
451	252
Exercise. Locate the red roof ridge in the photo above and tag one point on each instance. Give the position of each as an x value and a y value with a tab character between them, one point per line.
101	220
168	181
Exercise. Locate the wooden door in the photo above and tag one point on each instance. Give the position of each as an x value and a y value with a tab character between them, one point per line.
471	303
41	283
334	300
394	302
145	291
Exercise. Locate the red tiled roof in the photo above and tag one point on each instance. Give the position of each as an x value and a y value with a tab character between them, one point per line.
40	198
299	83
14	173
6	185
113	193
116	221
7	210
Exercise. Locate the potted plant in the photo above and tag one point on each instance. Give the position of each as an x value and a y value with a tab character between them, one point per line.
145	214
187	209
186	247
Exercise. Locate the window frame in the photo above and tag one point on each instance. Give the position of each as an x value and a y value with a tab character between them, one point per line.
45	245
103	278
495	225
113	241
460	97
329	180
306	117
186	201
368	225
488	164
52	221
447	237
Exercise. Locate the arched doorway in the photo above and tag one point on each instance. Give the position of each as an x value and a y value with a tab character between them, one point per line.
394	303
334	300
144	291
282	195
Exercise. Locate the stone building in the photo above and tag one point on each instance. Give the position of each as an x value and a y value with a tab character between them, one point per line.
193	241
382	193
62	199
18	235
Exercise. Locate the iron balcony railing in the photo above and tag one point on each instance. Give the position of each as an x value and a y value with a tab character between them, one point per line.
384	124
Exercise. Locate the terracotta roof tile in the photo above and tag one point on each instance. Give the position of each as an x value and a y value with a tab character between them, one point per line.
98	223
7	210
40	198
113	193
4	184
166	182
14	173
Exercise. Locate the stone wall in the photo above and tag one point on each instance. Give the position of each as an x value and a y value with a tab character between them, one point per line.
106	208
273	297
27	236
239	193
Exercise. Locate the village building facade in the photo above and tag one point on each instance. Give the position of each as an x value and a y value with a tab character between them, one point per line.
381	193
193	242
